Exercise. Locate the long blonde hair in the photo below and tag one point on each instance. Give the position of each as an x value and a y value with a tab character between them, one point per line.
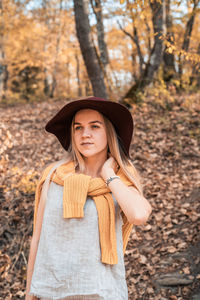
115	149
117	152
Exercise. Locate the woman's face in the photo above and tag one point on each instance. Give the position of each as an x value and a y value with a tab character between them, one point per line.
90	133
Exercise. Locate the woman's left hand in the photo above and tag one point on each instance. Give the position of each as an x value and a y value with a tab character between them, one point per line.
109	168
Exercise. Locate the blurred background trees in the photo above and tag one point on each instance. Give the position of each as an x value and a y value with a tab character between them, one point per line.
113	48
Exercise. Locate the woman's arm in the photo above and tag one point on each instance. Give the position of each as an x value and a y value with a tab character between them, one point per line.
33	248
136	208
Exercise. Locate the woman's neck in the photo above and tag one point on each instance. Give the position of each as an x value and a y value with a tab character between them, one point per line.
93	165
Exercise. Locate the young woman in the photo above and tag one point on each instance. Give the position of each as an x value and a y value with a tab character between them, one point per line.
85	206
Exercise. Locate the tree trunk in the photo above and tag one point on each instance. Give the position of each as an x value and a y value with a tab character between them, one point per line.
50	81
168	58
189	27
78	75
158	13
3	67
195	71
187	36
103	58
134	37
3	75
156	56
97	9
47	75
54	75
136	40
68	78
149	47
89	54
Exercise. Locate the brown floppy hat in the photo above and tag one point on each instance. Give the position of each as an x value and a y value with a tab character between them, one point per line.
118	114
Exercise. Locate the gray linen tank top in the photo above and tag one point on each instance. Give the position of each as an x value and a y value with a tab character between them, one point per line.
68	261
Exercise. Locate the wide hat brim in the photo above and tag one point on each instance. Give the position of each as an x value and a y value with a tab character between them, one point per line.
118	114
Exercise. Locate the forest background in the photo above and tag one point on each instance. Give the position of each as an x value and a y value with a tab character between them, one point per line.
124	46
144	54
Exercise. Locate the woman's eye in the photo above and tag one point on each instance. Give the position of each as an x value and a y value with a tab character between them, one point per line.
95	126
78	127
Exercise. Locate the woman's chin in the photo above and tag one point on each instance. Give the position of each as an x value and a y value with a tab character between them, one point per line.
88	155
93	155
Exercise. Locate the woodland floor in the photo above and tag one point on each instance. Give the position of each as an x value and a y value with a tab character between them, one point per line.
163	257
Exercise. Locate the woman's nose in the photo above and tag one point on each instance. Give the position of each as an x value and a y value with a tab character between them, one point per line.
86	132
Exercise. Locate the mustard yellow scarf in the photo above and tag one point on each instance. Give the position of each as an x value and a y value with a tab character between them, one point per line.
76	189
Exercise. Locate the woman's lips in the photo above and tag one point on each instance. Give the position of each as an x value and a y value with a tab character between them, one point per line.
86	144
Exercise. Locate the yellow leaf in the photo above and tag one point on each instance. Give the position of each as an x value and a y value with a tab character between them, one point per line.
169	50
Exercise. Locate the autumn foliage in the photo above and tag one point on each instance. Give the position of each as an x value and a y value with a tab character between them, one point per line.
40	55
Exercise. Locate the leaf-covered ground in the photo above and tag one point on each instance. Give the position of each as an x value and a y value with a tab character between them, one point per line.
163	257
